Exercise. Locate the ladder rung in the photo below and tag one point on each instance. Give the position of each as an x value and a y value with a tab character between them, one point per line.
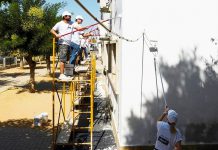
81	80
82	112
61	81
82	143
79	110
83	96
77	128
79	107
82	118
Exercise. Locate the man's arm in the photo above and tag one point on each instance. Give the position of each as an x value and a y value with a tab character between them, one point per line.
55	33
163	115
87	34
78	27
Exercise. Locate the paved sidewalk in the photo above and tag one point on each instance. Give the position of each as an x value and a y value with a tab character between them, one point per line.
23	138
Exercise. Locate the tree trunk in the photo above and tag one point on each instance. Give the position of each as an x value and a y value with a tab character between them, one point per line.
48	64
32	65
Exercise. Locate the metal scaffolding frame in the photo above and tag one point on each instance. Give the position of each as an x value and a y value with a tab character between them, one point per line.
79	89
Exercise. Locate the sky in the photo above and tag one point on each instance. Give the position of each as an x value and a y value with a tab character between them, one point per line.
72	6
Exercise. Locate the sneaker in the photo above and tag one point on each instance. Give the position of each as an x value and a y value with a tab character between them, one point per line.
64	78
83	62
70	77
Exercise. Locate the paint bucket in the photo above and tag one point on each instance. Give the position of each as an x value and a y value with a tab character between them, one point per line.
68	69
37	121
40	119
44	117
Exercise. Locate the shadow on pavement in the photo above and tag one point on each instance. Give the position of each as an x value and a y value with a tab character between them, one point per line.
13	75
21	135
3	82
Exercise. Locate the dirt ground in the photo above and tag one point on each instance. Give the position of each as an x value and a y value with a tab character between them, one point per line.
17	102
18	107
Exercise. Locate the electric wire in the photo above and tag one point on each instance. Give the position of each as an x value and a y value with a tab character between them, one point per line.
143	49
148	39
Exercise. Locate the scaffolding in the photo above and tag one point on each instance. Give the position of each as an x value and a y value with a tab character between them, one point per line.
75	117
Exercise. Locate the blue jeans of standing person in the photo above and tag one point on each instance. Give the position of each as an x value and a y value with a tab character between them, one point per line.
75	48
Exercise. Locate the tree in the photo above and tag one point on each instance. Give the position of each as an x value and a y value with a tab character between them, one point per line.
47	38
26	26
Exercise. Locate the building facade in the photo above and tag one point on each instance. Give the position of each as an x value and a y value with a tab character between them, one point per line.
186	59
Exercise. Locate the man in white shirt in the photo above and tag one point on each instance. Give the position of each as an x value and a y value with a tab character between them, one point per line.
85	45
61	28
76	40
168	136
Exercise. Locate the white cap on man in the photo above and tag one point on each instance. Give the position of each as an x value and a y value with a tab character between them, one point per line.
66	13
79	17
172	116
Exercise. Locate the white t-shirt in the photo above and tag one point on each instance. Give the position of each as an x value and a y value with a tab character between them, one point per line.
76	35
63	28
84	43
165	139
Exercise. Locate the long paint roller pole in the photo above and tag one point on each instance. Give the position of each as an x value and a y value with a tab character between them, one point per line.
86	27
164	96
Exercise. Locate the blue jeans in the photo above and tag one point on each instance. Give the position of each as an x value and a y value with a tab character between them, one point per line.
75	48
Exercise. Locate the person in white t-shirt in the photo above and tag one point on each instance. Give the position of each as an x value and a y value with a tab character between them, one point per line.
168	136
84	44
61	28
76	40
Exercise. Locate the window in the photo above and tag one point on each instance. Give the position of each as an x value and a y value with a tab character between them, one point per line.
112	64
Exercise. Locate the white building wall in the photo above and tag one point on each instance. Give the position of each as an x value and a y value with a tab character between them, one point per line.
177	26
180	27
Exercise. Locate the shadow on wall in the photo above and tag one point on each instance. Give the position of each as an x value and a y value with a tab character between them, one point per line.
193	98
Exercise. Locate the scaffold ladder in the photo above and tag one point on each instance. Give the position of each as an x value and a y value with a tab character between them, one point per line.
73	91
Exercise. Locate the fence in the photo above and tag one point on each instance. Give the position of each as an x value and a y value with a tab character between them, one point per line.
7	62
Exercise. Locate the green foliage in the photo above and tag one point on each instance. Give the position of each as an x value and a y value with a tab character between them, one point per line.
25	26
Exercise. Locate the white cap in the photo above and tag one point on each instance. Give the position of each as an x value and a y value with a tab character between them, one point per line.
172	116
66	13
79	17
